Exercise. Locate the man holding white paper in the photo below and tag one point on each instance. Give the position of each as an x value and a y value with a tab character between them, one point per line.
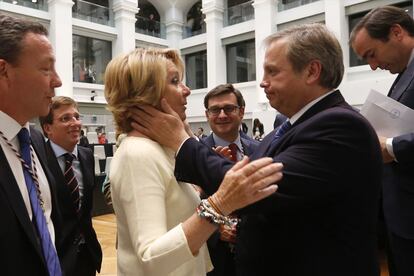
385	38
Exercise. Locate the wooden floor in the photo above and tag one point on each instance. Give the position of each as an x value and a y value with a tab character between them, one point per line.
105	227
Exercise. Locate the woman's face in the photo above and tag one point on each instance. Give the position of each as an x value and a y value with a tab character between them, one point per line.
176	92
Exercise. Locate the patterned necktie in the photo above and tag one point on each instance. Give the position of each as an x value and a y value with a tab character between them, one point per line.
233	149
49	251
71	181
280	132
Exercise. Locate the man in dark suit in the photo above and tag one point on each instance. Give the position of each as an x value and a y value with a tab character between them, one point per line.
385	38
322	219
224	112
28	211
73	169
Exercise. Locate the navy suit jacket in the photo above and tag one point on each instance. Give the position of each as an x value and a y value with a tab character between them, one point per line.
398	181
249	144
222	258
322	220
22	254
73	225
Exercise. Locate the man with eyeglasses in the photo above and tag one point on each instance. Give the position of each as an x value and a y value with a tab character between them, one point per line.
224	112
73	170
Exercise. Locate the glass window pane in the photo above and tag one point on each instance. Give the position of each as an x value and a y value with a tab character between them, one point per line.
241	62
90	57
196	70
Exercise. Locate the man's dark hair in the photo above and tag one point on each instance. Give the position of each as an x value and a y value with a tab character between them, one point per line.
223	89
379	21
12	32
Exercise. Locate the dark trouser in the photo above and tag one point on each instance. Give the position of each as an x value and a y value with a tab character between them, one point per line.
222	259
400	256
84	265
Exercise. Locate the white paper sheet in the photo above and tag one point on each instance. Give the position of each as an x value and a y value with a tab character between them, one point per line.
388	117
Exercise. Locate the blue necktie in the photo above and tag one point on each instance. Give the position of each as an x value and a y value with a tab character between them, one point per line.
280	132
49	251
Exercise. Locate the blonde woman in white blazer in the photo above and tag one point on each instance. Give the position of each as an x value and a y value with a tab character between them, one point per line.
160	232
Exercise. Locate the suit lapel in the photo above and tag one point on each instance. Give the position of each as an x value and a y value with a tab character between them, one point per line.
11	189
402	82
266	149
86	165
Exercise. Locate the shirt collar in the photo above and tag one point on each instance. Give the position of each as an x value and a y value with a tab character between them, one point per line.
411	57
299	114
221	142
59	151
10	127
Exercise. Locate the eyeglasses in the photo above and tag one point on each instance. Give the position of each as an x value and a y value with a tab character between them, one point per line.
69	117
228	109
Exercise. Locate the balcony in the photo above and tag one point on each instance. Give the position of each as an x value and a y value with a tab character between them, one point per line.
289	4
189	31
149	27
91	12
239	13
34	4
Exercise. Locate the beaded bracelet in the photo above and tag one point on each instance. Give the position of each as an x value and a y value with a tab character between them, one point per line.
204	210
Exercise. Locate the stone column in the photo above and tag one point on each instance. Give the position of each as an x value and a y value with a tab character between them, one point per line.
216	52
174	26
60	35
265	12
336	21
124	19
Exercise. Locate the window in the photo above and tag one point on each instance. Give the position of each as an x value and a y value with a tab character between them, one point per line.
149	20
90	57
289	4
196	70
34	4
241	62
238	11
353	19
195	24
96	11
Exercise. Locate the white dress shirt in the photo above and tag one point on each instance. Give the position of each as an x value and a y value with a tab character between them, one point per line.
10	129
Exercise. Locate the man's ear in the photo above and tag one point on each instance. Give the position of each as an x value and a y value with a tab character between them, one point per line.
313	71
241	112
3	68
397	32
47	129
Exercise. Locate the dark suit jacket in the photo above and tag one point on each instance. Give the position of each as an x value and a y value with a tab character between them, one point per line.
249	144
22	254
322	219
72	225
222	258
398	181
279	119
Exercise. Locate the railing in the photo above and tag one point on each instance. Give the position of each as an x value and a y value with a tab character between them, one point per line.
91	12
192	29
34	4
149	27
293	4
239	13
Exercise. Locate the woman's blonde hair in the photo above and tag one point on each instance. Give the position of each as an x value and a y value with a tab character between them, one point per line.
137	78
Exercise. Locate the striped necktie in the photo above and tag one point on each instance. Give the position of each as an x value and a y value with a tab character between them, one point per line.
71	181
